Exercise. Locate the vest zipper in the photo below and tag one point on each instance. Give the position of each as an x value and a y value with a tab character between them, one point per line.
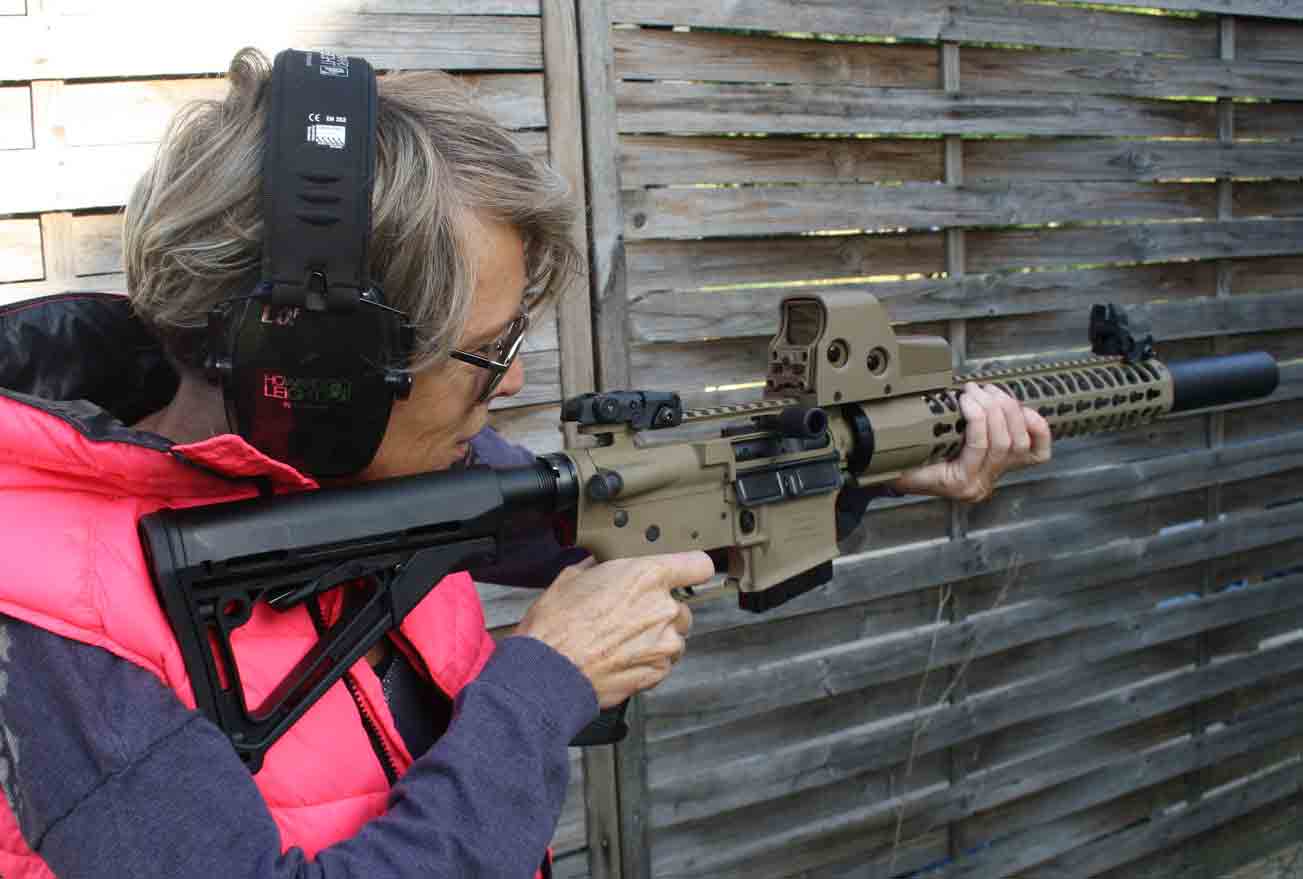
368	722
373	732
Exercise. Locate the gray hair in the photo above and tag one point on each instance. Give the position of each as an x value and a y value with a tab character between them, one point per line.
193	228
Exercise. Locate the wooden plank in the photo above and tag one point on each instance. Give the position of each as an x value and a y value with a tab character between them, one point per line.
990	251
778	210
694	265
972	21
1093	771
1163	830
684	316
662	54
1106	73
601	149
1282	120
168	41
566	151
1266	275
15	118
1083	693
1105	159
710	108
1198	318
361	7
664	160
1270	40
20	251
1276	199
1287	9
138	112
97	243
101	176
537	428
18	292
694	701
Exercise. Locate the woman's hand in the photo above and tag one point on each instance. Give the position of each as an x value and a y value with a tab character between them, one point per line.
1002	435
617	621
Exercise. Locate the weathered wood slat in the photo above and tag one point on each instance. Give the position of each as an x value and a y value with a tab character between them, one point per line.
1104	73
974	20
1070	552
647	160
361	7
164	42
1044	248
94	114
1270	40
778	210
1081	692
660	54
564	112
690	265
1162	831
15	117
1103	159
1197	319
1276	199
19	292
695	703
535	427
20	250
1096	769
684	316
695	108
1282	120
99	176
1266	8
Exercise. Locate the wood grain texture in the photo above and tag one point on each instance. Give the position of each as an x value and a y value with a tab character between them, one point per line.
655	160
1049	248
15	117
1106	159
1286	9
693	265
20	251
779	210
710	108
965	21
1105	73
566	155
170	41
78	178
684	316
661	54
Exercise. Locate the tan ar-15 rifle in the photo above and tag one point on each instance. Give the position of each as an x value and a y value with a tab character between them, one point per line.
847	402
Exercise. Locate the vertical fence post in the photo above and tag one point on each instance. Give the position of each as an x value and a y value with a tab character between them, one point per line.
615	781
957	757
602	144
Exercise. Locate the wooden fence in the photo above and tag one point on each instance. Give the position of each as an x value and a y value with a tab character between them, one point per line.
1095	673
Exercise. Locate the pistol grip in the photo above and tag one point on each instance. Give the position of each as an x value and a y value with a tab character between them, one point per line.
607	729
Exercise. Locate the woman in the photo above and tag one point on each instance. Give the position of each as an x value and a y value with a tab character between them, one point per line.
440	754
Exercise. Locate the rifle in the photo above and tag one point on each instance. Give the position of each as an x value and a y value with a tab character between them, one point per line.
846	402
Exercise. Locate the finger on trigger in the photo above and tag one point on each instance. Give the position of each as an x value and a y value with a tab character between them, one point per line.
683	622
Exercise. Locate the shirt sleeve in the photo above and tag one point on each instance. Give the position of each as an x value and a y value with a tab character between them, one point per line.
108	774
535	557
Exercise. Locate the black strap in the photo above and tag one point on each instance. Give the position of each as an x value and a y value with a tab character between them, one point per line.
317	176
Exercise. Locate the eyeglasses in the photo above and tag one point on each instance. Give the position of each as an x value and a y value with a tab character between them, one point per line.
501	353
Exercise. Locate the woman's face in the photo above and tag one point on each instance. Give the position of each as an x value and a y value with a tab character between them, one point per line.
431	429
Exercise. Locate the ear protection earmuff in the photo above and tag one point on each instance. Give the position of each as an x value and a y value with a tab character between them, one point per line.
311	361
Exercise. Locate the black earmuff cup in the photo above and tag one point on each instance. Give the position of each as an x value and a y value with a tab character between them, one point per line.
312	388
